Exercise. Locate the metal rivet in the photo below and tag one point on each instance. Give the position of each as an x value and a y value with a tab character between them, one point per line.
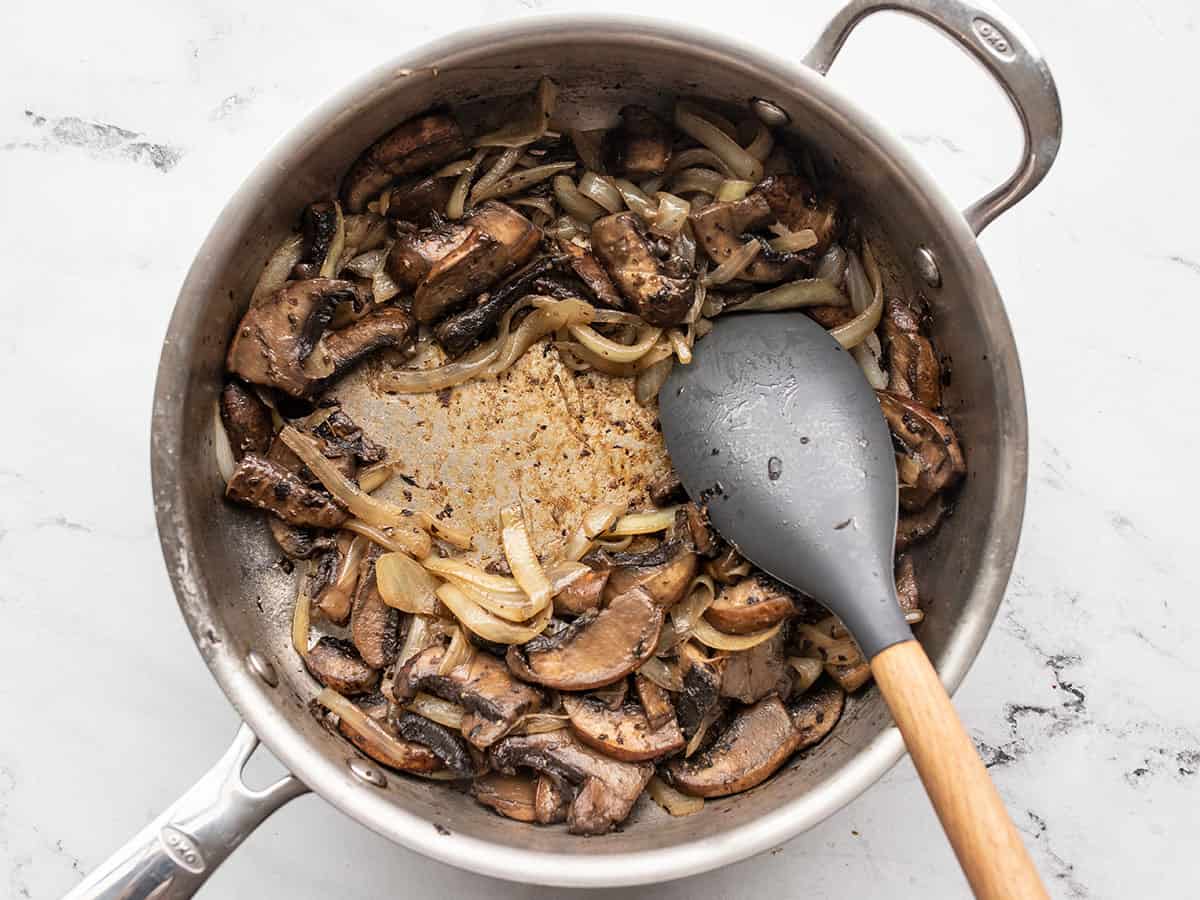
364	771
770	114
927	266
261	666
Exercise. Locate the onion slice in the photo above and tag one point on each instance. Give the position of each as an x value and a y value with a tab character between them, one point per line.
405	539
667	677
502	166
404	584
856	330
596	520
302	615
329	266
574	203
704	180
518	549
518	181
435	709
697	124
608	349
644	522
540	723
672	215
734	265
222	449
674	802
704	632
807	672
636	199
793	295
601	190
275	273
458	653
489	627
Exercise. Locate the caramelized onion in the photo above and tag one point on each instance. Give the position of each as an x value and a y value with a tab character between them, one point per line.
674	802
405	584
698	124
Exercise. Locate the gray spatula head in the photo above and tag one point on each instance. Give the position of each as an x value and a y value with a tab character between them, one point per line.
775	428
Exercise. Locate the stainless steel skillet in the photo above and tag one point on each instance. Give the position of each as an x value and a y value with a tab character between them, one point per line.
237	602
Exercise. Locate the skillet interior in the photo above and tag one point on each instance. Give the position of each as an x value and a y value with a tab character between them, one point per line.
223	562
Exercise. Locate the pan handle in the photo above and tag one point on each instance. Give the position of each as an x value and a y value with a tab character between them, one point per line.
174	855
1000	46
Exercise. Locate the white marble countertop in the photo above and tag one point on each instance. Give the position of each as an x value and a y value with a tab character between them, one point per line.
124	127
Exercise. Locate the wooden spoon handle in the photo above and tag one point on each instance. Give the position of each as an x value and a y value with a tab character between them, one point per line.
985	841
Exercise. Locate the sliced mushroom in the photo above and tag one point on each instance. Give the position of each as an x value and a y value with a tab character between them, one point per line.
728	567
608	788
374	626
418	200
338	351
596	649
917	526
719	228
397	753
246	419
335	598
446	745
655	701
613	695
914	370
415	145
849	676
494	700
267	485
641	145
795	205
583	594
658	295
751	749
830	316
339	434
667	490
458	332
588	270
318	227
298	542
336	664
752	674
701	687
624	733
754	603
704	538
416	251
930	446
664	574
282	455
513	796
498	240
815	712
551	801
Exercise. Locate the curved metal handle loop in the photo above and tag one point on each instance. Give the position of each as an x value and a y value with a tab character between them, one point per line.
173	856
989	35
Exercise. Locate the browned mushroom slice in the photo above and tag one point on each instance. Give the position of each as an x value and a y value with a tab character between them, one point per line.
416	252
374	626
919	525
318	226
754	603
336	664
660	297
258	482
815	712
752	748
418	200
339	433
416	145
667	490
588	270
397	753
339	351
655	701
247	420
795	205
704	538
513	796
830	316
728	567
446	745
608	788
551	801
274	338
596	649
664	573
641	145
914	370
297	542
849	676
899	318
335	598
499	240
583	594
494	700
458	332
752	674
623	733
701	688
931	449
719	227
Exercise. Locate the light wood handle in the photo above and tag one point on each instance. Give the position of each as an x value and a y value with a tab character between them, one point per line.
973	816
